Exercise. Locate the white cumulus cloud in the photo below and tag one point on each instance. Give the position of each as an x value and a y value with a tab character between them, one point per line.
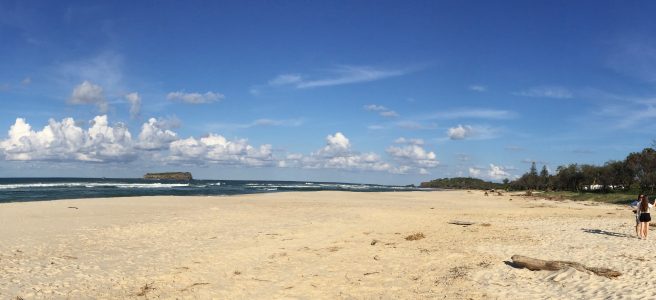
65	141
337	154
89	93
460	132
154	135
497	172
218	149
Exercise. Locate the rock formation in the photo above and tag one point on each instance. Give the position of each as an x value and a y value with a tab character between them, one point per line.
169	176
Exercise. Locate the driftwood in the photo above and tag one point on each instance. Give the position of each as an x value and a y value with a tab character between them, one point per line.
464	223
534	264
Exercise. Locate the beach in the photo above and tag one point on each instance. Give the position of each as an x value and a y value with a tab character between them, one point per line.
319	245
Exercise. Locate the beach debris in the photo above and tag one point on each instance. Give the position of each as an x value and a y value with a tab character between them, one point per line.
374	242
193	285
73	207
535	264
415	236
145	289
463	223
236	273
370	273
376	257
261	280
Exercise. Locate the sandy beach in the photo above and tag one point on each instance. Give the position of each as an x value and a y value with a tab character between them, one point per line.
319	245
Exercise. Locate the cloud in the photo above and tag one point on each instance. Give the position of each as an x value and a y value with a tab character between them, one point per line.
102	142
403	140
640	112
474	172
381	110
285	79
352	74
274	122
217	149
89	93
375	127
155	135
26	81
337	76
335	145
104	69
413	125
493	172
554	92
463	157
474	113
460	132
195	98
337	154
634	56
497	172
135	104
477	88
65	141
264	122
413	154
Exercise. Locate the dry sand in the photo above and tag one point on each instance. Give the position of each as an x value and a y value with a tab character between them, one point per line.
318	245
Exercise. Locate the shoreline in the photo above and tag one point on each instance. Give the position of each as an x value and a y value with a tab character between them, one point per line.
321	245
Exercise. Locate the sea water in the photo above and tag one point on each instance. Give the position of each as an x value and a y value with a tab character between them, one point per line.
37	189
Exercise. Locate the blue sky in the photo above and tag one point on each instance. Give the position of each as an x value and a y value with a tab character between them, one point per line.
392	92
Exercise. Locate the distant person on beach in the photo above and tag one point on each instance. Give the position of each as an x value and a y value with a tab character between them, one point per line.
643	213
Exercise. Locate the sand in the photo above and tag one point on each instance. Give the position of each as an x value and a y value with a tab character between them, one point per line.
319	245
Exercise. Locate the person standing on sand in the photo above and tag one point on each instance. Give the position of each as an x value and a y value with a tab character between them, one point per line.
634	206
644	217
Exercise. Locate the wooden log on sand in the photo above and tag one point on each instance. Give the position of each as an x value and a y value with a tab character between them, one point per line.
463	223
534	264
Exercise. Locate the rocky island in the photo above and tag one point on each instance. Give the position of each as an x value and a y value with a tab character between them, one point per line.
169	176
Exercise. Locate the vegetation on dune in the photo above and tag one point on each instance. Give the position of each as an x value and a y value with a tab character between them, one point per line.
613	182
635	174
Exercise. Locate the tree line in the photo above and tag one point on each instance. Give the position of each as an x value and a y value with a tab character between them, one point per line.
637	172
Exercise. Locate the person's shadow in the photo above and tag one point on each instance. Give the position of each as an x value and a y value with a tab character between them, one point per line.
609	233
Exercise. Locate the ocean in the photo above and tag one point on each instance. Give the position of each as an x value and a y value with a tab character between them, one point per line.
40	189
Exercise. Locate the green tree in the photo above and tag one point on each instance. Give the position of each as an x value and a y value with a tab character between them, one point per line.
544	178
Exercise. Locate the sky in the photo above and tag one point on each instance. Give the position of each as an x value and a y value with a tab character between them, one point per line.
388	92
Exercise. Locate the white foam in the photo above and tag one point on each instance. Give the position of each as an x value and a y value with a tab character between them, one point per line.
90	185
